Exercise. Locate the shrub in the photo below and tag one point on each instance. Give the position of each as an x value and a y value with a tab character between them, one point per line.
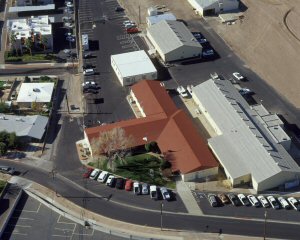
3	148
3	108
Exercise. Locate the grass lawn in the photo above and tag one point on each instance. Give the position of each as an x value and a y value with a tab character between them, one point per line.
142	167
29	58
2	185
2	83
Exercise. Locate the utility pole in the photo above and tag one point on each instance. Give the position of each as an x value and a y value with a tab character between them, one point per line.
161	216
140	14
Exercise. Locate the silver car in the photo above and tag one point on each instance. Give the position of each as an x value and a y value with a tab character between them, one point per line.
145	189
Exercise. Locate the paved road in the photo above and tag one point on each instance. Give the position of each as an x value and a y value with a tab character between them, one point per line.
100	205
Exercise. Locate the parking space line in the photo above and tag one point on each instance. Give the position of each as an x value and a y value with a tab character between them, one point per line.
63	236
24	226
17	233
85	234
22	218
58	221
64	229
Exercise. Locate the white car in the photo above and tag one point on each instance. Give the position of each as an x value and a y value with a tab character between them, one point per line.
253	200
145	189
89	83
273	202
95	173
136	188
238	76
284	203
181	90
110	179
89	71
128	22
165	194
67	51
243	199
190	89
294	202
103	176
69	4
264	202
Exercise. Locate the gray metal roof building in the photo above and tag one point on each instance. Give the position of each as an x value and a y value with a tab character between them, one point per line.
246	149
24	126
173	41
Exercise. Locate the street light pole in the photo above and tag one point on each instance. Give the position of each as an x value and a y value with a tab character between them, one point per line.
161	206
265	225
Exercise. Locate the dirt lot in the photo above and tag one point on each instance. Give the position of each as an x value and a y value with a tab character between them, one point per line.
267	39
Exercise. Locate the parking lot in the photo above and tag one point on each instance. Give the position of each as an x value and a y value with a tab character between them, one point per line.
244	211
32	220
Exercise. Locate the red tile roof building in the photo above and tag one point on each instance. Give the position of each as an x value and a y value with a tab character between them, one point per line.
164	123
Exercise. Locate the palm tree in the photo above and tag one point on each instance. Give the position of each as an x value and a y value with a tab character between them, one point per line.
44	42
13	39
29	44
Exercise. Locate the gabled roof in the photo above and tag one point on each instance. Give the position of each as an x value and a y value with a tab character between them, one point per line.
35	92
157	18
170	35
153	98
170	127
24	126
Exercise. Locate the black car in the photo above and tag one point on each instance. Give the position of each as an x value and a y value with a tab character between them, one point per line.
119	9
87	66
233	199
120	182
87	55
89	90
112	183
7	170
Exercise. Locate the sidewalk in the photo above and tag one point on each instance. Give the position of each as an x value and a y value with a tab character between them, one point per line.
101	223
188	199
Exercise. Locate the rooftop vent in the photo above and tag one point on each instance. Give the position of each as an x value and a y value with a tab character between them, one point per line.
36	90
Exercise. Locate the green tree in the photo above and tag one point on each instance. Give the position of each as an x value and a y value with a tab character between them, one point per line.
27	79
12	140
4	136
44	42
3	148
148	147
29	45
3	107
13	40
165	165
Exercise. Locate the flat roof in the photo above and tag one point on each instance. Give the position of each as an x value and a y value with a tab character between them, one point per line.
170	35
244	145
24	126
32	8
35	92
133	63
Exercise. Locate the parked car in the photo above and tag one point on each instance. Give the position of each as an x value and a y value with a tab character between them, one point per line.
87	66
120	183
69	10
233	199
294	203
245	91
69	4
119	9
103	176
253	200
153	192
132	30
136	188
87	173
110	177
70	38
89	90
208	53
87	55
238	76
190	89
89	71
67	51
69	25
128	22
66	19
212	198
181	90
129	25
264	202
95	173
273	202
224	199
89	83
7	170
128	185
165	193
145	189
243	199
284	203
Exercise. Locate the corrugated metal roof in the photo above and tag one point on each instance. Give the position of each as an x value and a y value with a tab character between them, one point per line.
170	35
133	63
245	146
157	18
32	8
31	126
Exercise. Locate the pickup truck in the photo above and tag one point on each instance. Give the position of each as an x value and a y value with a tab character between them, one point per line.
153	192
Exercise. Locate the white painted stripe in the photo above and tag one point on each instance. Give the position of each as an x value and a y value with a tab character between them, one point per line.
24	226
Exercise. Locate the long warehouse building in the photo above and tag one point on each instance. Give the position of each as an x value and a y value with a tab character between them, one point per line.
249	152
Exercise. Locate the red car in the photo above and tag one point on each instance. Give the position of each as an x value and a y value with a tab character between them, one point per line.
87	172
132	30
128	185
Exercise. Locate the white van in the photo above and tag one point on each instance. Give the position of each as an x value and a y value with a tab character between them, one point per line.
103	176
153	192
89	71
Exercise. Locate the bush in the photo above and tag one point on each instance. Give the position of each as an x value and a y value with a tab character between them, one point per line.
3	108
151	147
165	165
147	147
3	148
45	79
27	79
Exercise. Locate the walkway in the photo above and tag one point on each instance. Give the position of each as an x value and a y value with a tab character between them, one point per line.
188	199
